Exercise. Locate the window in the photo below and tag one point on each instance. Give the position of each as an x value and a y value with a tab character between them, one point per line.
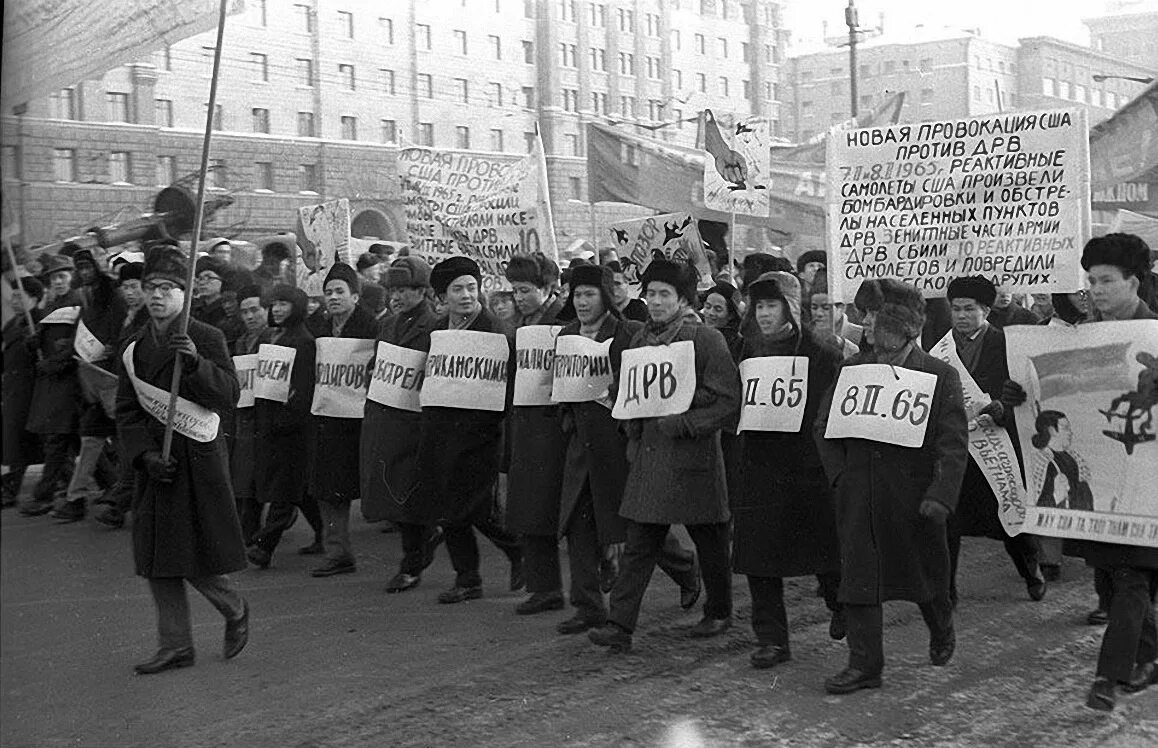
1001	65
567	56
700	44
260	64
567	10
576	185
529	141
723	46
599	59
497	140
977	93
120	167
460	41
347	74
599	103
746	87
495	94
349	128
305	68
263	176
806	109
626	63
308	178
305	18
305	124
496	46
654	110
677	77
598	15
261	120
528	97
389	131
772	90
425	86
1048	86
723	86
866	71
118	107
166	170
675	39
462	137
1067	90
769	53
745	52
528	52
653	25
386	29
64	104
346	23
64	165
701	83
570	100
163	109
167	59
678	116
388	82
653	67
989	95
463	88
627	106
218	117
422	35
426	133
572	141
926	65
626	21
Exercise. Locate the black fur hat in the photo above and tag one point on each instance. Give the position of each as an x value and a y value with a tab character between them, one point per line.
166	262
976	287
599	276
446	271
899	306
1127	251
537	269
343	272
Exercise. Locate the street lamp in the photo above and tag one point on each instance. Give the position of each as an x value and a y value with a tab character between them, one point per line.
1100	78
851	20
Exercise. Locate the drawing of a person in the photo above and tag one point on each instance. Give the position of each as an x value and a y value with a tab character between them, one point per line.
1062	474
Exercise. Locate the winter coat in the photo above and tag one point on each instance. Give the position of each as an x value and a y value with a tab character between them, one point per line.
56	395
187	528
243	438
284	431
888	551
334	473
783	512
389	460
681	480
596	456
21	447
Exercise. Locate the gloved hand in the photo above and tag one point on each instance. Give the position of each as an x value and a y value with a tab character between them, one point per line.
994	410
934	510
673	427
183	345
1012	394
162	471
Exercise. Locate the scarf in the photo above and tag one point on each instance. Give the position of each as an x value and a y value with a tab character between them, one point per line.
662	333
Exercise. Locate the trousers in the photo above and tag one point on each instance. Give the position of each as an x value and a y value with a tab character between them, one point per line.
279	517
541	563
174	626
1130	638
336	530
462	547
418	545
769	616
866	631
59	454
83	484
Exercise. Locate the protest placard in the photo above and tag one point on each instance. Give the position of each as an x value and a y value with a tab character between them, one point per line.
323	235
675	236
1087	429
534	363
396	379
191	420
990	446
728	144
246	368
656	380
466	369
341	377
775	393
1006	196
582	369
87	346
275	365
882	403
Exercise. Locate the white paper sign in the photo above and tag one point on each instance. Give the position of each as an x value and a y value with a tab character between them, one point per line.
341	377
397	377
466	369
246	367
744	141
656	380
882	403
87	346
534	363
65	315
192	420
582	369
775	393
275	365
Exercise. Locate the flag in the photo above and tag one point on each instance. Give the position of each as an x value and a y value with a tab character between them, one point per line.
1124	148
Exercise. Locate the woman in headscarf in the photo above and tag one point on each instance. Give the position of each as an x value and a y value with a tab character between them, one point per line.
721	310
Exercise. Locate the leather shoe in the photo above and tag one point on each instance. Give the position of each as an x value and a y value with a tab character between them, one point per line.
166	659
1098	617
611	635
689	595
518	579
313	549
577	625
334	566
458	594
769	655
851	679
401	582
837	626
110	516
709	627
259	557
941	649
540	602
70	511
1102	695
237	633
1036	588
1143	675
35	508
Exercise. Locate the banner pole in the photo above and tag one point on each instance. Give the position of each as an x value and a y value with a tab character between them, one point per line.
183	320
20	297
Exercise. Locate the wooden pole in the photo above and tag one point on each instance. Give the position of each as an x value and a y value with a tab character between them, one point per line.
183	320
12	259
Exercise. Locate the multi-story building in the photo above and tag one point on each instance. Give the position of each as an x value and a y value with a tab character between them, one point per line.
1128	31
316	96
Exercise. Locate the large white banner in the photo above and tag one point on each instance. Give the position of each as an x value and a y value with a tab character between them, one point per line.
775	393
656	380
397	377
534	363
341	377
275	365
582	370
1087	429
467	369
882	403
323	239
1006	196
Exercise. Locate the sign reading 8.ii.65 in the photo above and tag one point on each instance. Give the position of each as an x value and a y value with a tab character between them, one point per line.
883	403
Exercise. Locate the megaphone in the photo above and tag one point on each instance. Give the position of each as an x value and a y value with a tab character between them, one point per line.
174	213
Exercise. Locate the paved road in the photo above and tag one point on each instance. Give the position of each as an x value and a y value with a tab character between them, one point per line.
335	662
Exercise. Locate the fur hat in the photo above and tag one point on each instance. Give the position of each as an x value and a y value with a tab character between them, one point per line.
31	286
50	264
682	276
343	272
812	255
407	272
780	286
249	292
731	298
976	287
131	271
1127	251
213	265
373	297
758	263
599	276
899	306
446	271
537	269
166	262
367	260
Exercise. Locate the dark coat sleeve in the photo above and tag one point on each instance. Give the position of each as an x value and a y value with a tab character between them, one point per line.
832	451
717	398
132	420
948	446
212	383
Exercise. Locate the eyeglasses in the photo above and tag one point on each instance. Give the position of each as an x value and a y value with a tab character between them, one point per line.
206	277
826	307
164	287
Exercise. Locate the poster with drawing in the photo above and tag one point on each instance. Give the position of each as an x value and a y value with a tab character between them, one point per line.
323	239
676	236
1087	429
738	165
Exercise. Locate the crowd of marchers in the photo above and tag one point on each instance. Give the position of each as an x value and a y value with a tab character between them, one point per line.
872	521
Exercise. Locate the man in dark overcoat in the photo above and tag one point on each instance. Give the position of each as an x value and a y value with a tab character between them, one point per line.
185	526
891	501
21	447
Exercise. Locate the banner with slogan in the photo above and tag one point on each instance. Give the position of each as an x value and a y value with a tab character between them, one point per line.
775	393
582	370
341	377
396	380
193	421
323	234
467	369
989	444
65	315
534	363
275	365
882	403
484	207
1006	196
746	142
674	235
1087	429
246	367
656	380
87	346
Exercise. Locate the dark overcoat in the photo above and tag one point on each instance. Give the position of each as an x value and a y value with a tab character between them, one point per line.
458	454
243	438
284	431
103	314
188	528
783	514
888	551
682	481
334	474
596	454
390	435
21	447
56	396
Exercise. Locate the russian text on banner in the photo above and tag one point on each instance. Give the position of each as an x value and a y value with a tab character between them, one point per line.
656	380
246	367
1087	430
775	393
882	403
466	369
396	380
582	369
192	420
275	365
341	377
535	363
1006	196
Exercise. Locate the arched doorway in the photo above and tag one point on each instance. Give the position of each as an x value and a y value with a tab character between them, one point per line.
371	223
